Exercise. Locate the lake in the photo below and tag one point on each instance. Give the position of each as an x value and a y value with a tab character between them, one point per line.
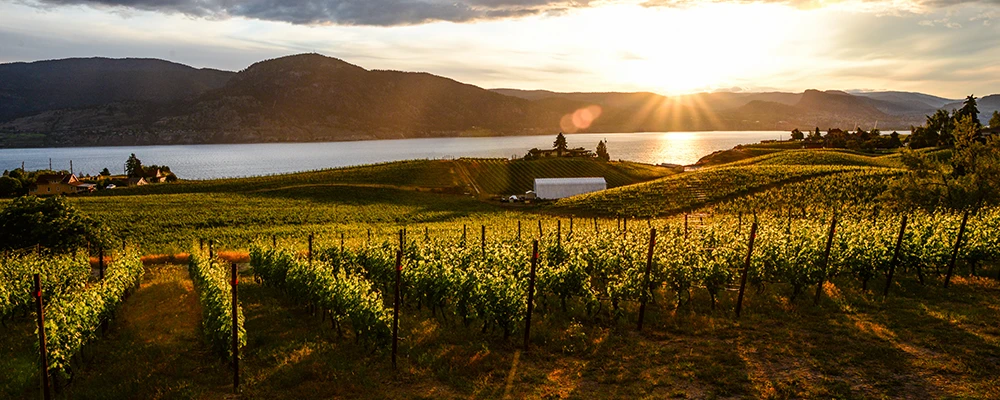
240	160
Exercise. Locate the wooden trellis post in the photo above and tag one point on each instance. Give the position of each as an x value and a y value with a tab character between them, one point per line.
531	294
958	244
41	338
826	258
235	328
645	281
746	269
895	258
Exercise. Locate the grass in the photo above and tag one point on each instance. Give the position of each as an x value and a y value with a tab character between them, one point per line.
166	218
692	190
920	342
821	157
497	176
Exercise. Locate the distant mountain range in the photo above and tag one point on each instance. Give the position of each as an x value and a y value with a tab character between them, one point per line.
309	97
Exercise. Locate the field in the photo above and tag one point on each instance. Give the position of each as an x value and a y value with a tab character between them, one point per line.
166	218
318	324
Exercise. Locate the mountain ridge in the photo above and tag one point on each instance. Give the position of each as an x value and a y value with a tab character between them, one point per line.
312	97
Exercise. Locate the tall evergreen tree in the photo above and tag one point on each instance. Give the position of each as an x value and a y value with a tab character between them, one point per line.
602	151
969	109
995	120
133	167
560	143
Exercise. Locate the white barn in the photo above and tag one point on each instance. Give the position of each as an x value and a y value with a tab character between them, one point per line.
557	188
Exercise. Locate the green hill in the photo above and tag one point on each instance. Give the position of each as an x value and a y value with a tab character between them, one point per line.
499	176
692	190
821	157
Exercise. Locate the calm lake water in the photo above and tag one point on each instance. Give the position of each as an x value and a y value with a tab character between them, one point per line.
239	160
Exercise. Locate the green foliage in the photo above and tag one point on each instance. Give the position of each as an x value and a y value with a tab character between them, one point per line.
10	187
995	120
498	176
970	179
602	151
797	134
133	166
59	274
560	143
73	318
969	110
53	223
691	190
212	281
105	172
348	297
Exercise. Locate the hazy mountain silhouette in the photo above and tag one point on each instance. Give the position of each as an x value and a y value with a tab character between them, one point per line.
31	88
310	97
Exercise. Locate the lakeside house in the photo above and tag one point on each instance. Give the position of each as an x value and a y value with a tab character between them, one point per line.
577	152
154	176
137	181
55	184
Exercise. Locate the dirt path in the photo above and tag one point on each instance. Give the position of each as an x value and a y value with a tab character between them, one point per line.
154	347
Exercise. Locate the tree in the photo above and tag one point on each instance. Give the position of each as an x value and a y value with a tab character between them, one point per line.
995	120
560	143
815	135
602	151
105	172
797	134
894	142
939	126
133	167
9	187
968	181
52	223
969	110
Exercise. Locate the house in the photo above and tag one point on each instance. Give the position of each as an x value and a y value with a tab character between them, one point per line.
577	152
54	184
155	176
137	181
991	131
557	188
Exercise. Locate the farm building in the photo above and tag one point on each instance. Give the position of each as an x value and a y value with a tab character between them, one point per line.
557	188
49	184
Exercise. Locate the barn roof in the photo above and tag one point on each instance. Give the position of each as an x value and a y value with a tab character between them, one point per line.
568	181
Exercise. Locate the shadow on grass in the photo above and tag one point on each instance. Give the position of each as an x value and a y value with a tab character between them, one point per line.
154	349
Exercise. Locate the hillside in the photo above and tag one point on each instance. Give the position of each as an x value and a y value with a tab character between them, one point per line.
485	177
310	97
32	88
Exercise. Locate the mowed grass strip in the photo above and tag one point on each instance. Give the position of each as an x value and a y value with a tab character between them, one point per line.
691	190
500	176
154	348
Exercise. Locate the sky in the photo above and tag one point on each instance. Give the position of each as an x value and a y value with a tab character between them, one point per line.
949	48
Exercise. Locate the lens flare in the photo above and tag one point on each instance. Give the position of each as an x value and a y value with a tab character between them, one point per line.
580	119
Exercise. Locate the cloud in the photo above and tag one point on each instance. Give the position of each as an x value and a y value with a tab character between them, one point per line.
414	12
340	12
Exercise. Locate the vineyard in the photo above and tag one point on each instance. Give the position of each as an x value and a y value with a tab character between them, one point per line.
730	281
693	190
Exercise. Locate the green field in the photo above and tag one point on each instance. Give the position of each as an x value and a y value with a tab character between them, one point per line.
318	325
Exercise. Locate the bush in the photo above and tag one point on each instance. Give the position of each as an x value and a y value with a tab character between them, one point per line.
52	223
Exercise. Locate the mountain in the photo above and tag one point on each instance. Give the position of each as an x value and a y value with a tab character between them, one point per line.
31	88
310	97
739	111
715	101
986	105
305	97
